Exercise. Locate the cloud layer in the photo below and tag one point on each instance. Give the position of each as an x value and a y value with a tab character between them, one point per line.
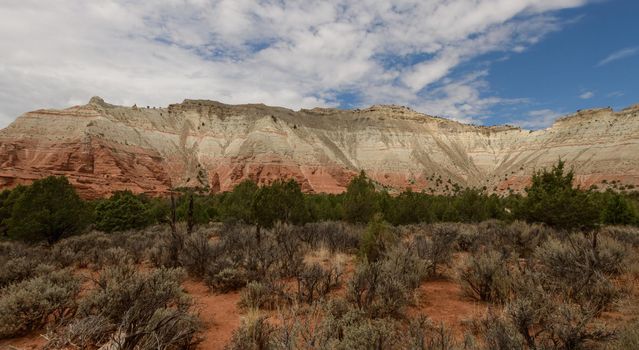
538	119
587	95
619	55
280	52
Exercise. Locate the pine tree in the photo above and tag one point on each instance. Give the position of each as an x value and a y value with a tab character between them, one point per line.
618	211
122	211
551	199
360	200
238	204
48	209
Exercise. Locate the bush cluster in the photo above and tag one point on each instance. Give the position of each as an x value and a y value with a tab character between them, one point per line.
336	325
545	278
134	310
547	286
552	297
33	303
49	209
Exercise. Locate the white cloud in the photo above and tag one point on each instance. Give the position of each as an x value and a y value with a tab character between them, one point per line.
615	94
290	53
618	55
538	119
461	99
587	95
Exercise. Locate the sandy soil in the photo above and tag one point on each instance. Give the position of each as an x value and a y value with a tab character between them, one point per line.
442	301
219	312
28	342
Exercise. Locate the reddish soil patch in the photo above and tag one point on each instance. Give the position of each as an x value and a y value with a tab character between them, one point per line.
626	310
219	312
28	342
442	301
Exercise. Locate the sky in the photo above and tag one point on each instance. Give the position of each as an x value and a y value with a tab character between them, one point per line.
488	62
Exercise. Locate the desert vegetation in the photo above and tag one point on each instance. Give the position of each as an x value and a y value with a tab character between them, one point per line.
556	269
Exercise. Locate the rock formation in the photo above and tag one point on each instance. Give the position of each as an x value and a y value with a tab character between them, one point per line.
102	148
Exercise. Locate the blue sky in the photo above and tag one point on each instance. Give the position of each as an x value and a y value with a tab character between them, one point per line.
522	62
592	62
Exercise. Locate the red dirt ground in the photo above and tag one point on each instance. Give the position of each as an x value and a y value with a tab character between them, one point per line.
219	312
28	342
442	301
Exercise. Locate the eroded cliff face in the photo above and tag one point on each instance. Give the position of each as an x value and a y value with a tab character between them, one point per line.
102	148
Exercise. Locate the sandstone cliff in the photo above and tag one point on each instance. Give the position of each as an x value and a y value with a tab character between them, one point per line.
103	148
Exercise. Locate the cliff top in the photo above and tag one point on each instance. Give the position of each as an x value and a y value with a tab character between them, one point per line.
379	112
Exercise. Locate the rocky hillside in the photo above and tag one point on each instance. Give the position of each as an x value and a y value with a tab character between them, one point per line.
103	148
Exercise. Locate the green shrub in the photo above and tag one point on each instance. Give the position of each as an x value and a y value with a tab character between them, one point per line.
422	334
315	282
333	324
335	235
203	209
263	295
18	269
227	279
551	199
290	249
468	239
375	240
524	238
6	206
485	277
537	317
403	262
439	247
628	337
618	210
48	209
246	257
198	253
165	249
115	256
376	292
369	334
82	333
31	304
82	251
121	288
576	260
500	334
123	211
281	201
149	310
360	200
625	234
167	328
409	208
581	269
573	327
255	333
237	205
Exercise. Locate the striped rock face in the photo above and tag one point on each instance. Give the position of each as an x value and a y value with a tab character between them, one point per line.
103	148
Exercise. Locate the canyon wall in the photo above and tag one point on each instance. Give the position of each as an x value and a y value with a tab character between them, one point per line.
103	148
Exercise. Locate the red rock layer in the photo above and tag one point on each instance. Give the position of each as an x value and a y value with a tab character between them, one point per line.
96	168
